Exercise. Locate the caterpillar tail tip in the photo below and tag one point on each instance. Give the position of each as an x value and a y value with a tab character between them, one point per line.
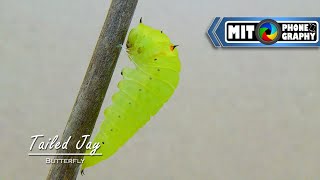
82	172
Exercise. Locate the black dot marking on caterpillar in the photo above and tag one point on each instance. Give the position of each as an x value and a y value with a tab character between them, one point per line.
161	32
119	116
155	59
150	78
158	69
129	102
128	45
121	73
102	142
141	20
82	172
140	89
139	50
111	129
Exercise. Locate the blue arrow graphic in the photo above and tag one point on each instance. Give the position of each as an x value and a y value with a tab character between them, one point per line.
211	32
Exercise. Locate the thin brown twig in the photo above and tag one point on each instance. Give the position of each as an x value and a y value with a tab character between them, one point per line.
94	86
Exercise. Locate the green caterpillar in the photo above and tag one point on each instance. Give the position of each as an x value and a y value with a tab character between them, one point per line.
143	90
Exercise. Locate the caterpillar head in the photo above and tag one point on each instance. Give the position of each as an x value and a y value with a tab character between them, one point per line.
144	43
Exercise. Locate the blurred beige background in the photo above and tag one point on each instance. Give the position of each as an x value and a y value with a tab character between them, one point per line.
238	114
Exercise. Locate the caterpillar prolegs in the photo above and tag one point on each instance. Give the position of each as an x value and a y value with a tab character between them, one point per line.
142	91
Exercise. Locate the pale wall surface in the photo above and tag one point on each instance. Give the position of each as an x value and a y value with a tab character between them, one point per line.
238	114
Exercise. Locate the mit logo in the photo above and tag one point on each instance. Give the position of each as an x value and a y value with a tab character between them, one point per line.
265	32
238	31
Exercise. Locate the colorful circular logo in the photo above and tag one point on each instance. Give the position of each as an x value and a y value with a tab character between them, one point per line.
268	31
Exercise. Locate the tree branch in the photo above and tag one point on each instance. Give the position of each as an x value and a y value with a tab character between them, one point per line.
94	86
